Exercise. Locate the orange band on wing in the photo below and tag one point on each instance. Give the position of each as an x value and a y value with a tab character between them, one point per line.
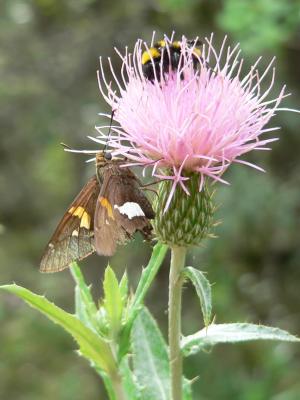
85	219
106	204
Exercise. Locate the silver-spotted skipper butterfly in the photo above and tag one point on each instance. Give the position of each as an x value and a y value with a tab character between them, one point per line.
109	209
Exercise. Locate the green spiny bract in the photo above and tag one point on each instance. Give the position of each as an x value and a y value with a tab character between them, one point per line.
188	218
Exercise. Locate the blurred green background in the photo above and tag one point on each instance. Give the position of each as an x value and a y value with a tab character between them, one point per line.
49	53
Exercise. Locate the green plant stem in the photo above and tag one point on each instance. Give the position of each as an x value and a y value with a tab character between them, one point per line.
175	292
116	382
115	377
108	384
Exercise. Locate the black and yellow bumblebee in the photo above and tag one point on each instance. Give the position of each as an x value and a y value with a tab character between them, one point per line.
169	55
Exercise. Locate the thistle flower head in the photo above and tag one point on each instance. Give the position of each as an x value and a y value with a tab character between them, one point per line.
189	120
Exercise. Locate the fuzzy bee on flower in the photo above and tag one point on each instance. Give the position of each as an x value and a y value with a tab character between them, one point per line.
164	57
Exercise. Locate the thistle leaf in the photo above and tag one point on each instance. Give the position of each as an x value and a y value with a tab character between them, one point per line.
151	361
113	303
203	290
232	333
148	274
150	358
129	380
85	307
124	288
92	347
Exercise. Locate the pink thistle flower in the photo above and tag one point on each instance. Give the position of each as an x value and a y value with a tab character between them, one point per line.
190	120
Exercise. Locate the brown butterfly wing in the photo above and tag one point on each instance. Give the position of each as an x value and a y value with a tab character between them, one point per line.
73	238
107	231
112	225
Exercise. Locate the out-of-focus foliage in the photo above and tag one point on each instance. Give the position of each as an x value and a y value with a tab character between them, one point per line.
261	24
48	94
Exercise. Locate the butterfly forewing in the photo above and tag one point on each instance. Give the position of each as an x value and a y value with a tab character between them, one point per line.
73	239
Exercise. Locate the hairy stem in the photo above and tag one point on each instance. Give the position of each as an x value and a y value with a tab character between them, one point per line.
175	292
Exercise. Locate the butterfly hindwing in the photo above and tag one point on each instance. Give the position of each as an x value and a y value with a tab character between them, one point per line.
73	239
122	209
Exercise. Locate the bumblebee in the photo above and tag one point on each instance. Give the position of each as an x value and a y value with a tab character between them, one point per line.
169	53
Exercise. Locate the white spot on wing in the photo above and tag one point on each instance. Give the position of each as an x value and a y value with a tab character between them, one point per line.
130	209
75	232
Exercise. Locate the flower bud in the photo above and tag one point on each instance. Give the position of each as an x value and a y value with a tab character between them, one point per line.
188	218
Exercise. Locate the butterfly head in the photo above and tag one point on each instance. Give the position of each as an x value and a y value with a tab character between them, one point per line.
102	158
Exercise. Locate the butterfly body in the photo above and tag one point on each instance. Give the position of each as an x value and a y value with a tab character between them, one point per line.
108	210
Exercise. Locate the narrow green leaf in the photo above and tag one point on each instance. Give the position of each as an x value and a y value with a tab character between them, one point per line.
123	285
129	380
148	274
147	277
80	282
232	333
150	358
85	307
124	288
203	290
113	303
91	346
107	384
80	309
